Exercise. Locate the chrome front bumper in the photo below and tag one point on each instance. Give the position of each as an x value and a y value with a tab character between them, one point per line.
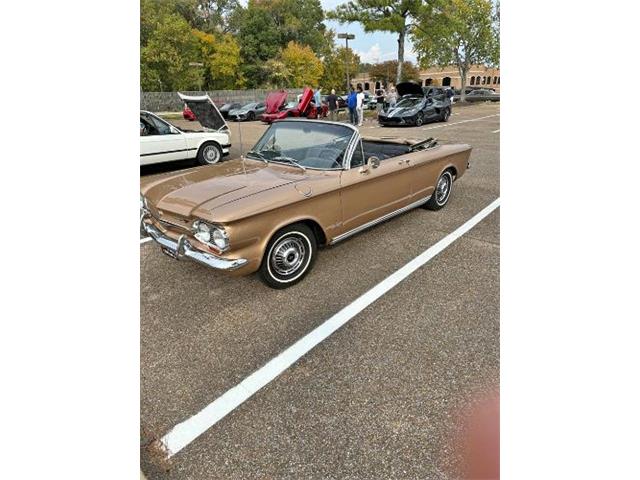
182	249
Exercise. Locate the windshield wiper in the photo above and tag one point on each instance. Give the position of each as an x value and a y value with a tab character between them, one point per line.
292	161
259	155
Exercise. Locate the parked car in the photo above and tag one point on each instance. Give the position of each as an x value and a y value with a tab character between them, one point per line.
275	102
304	108
250	111
227	107
161	141
416	106
370	101
187	114
482	95
305	184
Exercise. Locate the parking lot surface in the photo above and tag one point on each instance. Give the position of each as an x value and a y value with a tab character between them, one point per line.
377	399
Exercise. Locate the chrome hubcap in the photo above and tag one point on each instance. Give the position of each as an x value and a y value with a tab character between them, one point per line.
211	154
288	255
442	190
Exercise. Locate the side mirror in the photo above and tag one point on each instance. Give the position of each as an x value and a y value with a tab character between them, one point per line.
373	162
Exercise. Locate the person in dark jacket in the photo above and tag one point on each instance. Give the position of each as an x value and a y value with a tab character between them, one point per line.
352	103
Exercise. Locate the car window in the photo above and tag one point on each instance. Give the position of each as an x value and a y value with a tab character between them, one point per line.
310	144
158	127
409	102
357	159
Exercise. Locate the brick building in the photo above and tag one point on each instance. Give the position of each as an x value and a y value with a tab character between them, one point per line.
479	75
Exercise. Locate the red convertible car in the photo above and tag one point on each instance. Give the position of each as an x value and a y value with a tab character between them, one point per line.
305	108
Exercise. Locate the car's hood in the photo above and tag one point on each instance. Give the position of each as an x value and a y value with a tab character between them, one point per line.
400	111
275	100
205	111
198	192
409	88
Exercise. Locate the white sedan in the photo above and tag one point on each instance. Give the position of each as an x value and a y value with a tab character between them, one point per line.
161	141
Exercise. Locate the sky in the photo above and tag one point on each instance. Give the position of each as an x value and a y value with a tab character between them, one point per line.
372	47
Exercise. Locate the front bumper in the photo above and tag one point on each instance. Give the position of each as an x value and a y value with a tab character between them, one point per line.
181	249
406	120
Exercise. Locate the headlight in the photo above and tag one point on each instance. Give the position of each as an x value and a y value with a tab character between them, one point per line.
211	235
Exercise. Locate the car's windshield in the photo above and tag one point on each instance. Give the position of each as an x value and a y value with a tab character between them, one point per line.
308	144
249	106
409	102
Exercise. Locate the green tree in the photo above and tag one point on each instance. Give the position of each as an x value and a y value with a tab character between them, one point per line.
265	27
164	60
335	65
303	66
457	32
220	54
384	71
381	15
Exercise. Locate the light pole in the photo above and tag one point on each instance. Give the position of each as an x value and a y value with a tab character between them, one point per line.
347	37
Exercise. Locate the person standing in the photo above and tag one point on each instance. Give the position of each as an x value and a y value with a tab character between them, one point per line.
392	97
332	100
352	103
360	105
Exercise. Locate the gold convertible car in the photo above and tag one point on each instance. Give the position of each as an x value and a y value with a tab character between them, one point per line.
305	184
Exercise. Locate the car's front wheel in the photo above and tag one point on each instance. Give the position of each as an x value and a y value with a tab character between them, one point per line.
210	153
445	114
251	117
440	196
289	256
419	119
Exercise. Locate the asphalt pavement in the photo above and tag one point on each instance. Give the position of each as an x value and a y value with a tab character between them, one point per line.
377	399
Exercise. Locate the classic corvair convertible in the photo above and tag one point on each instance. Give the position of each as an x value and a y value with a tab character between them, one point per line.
305	184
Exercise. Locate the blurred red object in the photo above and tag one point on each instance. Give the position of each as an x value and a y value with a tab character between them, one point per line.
481	444
188	114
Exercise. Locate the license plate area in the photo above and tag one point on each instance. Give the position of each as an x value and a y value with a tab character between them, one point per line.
170	253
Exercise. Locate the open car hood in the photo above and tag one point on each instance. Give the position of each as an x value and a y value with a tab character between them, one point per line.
205	111
307	95
409	88
275	100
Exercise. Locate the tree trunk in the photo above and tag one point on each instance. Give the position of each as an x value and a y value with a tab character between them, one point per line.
401	35
463	80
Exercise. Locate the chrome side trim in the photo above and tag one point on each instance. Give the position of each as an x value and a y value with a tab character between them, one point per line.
182	249
378	220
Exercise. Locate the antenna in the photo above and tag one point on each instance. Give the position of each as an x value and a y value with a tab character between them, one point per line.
241	150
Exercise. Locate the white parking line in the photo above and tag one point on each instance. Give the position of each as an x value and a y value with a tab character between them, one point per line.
461	121
184	433
145	240
496	131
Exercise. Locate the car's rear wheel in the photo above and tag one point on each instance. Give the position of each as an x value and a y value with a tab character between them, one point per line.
445	114
289	256
210	153
419	119
441	194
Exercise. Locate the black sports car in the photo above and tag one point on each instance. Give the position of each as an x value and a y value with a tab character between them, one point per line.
416	106
250	111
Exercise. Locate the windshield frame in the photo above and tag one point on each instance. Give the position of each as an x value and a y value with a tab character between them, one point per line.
346	163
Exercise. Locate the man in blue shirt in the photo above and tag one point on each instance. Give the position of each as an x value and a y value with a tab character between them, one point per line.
352	102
